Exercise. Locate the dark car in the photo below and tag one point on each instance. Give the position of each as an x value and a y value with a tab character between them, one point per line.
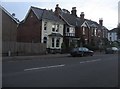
111	50
108	51
81	51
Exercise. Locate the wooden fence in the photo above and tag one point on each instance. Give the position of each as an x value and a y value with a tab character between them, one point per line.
16	48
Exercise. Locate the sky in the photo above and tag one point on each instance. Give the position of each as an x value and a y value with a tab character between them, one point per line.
93	9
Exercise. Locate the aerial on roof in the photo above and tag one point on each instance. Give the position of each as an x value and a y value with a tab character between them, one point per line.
3	9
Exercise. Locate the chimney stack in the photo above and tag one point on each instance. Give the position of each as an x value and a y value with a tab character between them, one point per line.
74	11
101	21
82	15
57	10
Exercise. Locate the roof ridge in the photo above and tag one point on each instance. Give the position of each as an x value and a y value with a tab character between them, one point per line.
36	7
8	13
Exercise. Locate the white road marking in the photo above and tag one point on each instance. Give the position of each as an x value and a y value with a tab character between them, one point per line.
91	61
82	62
44	67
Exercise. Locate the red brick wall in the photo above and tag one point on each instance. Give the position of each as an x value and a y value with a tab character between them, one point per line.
30	29
9	28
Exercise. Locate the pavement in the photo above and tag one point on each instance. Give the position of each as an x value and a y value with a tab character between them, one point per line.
20	58
50	56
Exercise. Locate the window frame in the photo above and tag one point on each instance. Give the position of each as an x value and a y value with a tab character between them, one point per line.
53	42
45	40
45	26
58	42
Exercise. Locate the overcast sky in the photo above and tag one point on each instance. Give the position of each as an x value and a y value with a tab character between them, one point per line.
93	9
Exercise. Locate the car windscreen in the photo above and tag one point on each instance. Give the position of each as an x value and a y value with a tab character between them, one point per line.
83	49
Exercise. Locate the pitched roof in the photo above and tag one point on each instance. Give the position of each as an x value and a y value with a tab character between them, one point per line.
114	30
92	23
3	9
71	19
45	14
38	12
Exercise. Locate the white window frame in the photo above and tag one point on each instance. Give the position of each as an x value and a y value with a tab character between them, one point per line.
57	27
53	27
58	43
53	42
45	26
45	40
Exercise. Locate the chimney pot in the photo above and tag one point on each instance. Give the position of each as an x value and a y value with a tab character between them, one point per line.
57	10
74	11
101	21
57	5
82	15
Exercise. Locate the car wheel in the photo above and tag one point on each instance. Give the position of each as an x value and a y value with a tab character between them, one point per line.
82	55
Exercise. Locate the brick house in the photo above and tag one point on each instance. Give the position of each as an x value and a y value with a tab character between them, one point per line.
79	30
9	32
41	26
71	32
71	36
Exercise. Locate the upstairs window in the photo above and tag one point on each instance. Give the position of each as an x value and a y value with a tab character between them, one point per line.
53	27
110	38
92	31
68	30
57	28
95	32
83	30
110	33
45	26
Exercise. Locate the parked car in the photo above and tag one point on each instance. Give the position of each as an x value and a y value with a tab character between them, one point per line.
115	49
81	51
111	50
